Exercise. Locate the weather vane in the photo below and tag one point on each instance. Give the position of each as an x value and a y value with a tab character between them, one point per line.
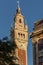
18	3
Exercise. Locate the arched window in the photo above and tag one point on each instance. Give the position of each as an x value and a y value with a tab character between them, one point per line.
23	35
20	21
19	34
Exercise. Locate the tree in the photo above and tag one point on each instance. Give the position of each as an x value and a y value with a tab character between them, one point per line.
6	52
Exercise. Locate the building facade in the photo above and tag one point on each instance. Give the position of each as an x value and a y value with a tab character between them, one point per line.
20	36
37	42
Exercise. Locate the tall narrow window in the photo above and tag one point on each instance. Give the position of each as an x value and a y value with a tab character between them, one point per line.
40	44
19	34
20	20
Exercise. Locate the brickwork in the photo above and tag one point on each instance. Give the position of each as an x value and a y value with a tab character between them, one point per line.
22	56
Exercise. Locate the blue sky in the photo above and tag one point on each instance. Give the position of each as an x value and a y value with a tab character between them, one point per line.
32	11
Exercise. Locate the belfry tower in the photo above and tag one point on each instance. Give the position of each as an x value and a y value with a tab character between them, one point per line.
20	36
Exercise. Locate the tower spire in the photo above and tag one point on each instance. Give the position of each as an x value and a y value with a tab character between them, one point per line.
18	9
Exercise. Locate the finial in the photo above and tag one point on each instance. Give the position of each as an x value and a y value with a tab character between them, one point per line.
18	3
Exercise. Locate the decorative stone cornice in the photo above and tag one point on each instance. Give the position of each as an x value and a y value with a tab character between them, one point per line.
36	33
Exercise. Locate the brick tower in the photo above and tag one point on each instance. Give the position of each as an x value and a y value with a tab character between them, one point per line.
20	36
37	40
